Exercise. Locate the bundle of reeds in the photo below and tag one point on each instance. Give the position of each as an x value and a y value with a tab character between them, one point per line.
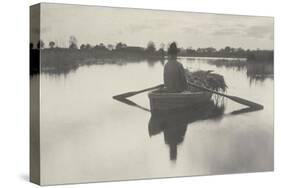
207	79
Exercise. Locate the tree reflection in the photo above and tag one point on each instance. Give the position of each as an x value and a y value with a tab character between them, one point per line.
259	72
255	71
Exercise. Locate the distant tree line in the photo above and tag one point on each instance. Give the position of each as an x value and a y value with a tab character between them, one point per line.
55	56
251	55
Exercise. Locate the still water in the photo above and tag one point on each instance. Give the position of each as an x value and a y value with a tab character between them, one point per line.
88	136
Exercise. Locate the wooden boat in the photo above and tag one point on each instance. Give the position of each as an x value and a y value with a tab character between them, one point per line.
163	101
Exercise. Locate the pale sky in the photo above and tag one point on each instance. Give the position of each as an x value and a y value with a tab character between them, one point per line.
135	27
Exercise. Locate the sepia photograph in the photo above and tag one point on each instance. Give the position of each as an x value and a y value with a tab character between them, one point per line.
127	94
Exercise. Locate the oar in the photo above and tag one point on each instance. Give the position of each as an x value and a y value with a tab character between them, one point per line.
132	93
234	98
131	103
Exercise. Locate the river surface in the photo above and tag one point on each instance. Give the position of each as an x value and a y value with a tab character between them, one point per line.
87	136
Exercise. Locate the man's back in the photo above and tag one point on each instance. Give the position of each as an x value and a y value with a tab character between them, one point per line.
174	76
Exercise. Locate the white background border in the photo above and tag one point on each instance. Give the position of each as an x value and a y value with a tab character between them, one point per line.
14	79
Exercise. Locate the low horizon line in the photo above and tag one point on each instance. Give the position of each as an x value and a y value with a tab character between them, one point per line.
144	47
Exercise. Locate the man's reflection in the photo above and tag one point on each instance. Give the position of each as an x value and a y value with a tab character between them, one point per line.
174	124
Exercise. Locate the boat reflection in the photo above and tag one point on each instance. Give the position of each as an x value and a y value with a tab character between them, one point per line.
174	124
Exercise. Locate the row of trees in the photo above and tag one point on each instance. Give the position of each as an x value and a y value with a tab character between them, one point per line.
41	44
151	47
151	50
73	44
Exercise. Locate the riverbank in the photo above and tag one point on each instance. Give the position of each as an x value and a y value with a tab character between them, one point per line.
64	60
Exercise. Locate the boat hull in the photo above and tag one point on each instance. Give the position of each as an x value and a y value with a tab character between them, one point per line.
160	101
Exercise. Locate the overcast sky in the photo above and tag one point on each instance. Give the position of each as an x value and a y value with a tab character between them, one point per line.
135	27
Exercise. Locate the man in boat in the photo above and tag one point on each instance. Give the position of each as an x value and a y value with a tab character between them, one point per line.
174	73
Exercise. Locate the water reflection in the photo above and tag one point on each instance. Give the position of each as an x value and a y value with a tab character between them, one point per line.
235	64
174	124
259	72
256	72
230	144
244	110
131	103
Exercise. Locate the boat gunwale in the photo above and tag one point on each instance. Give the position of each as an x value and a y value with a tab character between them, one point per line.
154	94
